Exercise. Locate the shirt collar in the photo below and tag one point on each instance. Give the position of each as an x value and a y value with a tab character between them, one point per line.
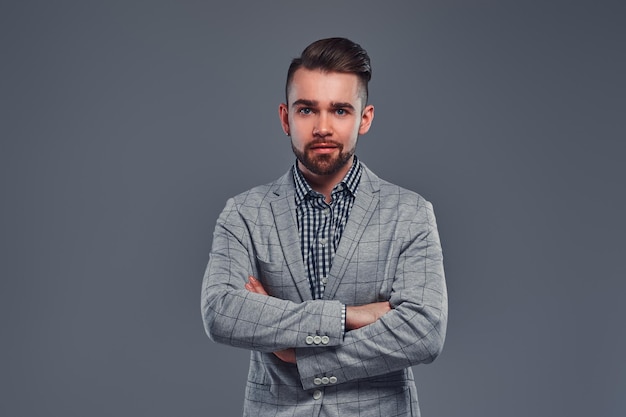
350	181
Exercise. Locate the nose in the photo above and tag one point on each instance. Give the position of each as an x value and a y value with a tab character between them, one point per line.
322	126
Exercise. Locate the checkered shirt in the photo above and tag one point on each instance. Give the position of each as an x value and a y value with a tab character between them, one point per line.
321	224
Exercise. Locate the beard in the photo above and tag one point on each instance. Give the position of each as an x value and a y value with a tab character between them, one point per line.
324	164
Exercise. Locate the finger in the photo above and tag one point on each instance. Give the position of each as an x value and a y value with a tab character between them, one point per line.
250	287
256	286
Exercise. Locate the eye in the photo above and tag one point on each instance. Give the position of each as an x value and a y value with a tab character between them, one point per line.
341	112
305	110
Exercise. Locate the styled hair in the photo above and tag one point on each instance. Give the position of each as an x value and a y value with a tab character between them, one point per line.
334	55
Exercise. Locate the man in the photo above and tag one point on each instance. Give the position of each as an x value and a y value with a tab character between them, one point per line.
332	277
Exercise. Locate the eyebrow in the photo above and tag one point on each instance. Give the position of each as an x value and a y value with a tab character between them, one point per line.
341	105
305	102
314	103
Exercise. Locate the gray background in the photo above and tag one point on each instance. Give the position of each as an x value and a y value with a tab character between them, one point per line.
125	126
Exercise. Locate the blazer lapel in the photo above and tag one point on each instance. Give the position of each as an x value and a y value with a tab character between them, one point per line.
365	204
284	210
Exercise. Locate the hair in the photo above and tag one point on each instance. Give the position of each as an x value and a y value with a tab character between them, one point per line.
334	55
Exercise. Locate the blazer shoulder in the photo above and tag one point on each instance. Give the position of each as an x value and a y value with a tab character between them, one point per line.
259	197
400	194
392	195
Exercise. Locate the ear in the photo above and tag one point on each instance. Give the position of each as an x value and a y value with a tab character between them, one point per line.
366	119
283	115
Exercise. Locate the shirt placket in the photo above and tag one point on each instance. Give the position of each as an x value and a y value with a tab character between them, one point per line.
325	247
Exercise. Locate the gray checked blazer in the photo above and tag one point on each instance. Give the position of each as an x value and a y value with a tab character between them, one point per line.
389	250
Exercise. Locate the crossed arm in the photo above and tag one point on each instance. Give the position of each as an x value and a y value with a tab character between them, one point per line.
356	316
377	339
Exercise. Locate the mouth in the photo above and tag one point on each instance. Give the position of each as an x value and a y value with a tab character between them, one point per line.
323	147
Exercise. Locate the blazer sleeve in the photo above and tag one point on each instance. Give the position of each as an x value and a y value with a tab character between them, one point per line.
234	316
411	333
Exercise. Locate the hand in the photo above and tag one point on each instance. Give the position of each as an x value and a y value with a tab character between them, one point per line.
287	355
255	286
360	316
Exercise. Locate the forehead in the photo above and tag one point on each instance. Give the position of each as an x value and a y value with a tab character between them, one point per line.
325	86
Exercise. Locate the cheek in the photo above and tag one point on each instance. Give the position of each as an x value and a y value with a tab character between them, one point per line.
352	131
296	140
299	125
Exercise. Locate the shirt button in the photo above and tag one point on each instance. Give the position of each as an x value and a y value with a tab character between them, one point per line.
325	280
317	381
317	340
323	241
325	340
309	340
317	394
325	380
332	379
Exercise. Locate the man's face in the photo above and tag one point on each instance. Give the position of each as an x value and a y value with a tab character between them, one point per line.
324	117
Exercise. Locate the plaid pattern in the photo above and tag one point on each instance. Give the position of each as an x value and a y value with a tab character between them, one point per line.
321	224
389	250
